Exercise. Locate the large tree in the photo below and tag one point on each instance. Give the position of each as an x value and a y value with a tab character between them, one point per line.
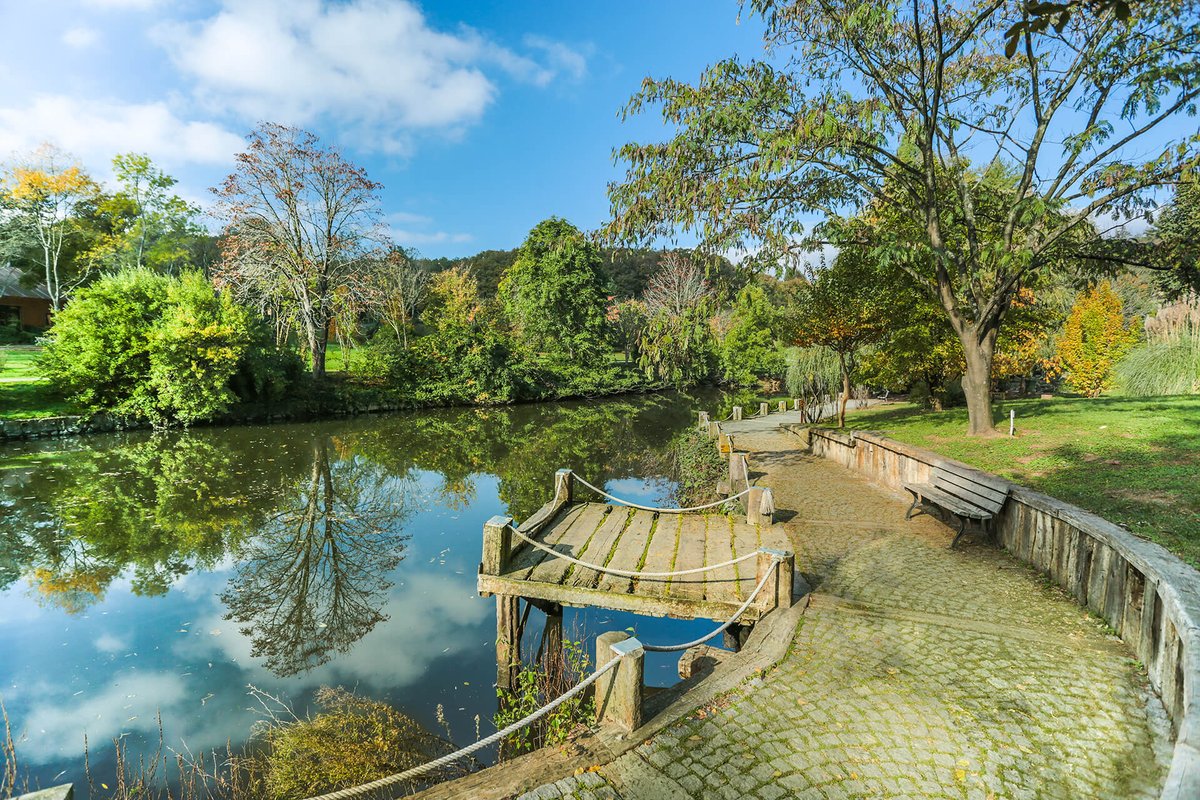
890	104
553	292
148	225
301	230
43	192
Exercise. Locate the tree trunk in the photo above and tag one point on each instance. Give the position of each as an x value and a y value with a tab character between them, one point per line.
845	398
319	344
977	383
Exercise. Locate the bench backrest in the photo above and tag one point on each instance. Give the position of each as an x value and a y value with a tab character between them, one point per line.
981	491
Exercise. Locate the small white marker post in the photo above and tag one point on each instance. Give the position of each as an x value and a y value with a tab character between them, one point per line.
1012	422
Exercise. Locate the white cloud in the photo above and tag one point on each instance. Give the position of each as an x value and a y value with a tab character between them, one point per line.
122	5
81	37
412	230
414	238
95	129
373	65
108	643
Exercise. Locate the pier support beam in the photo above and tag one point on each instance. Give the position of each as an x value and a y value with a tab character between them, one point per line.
714	429
508	640
619	691
550	654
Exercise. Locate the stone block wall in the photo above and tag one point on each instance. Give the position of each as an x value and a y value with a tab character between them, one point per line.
1148	596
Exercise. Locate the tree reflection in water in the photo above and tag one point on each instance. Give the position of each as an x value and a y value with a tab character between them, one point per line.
313	580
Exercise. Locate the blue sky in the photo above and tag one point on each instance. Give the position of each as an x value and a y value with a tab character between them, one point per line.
480	119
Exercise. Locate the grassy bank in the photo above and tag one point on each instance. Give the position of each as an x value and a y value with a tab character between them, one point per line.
23	392
1134	461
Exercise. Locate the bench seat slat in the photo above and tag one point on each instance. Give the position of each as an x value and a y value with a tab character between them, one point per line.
971	476
983	491
949	502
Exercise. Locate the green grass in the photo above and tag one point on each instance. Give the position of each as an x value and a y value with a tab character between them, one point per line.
1134	461
17	362
28	399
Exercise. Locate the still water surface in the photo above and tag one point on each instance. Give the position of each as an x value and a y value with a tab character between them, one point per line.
146	573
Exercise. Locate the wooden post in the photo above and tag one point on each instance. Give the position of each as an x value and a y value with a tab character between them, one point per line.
782	406
497	545
508	640
737	413
703	423
714	429
619	691
777	592
763	409
754	506
737	472
766	507
795	404
564	486
725	444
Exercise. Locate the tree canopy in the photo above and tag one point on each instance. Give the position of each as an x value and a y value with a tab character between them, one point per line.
889	106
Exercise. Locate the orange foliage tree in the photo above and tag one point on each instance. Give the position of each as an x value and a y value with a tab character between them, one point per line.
1093	340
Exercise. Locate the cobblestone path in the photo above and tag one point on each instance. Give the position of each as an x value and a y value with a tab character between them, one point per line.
917	672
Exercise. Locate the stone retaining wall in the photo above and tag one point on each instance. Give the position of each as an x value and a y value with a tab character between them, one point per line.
1148	596
45	427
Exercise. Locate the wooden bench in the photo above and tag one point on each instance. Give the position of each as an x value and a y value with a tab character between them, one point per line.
968	494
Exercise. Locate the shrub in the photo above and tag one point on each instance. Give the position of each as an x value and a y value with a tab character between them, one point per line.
537	686
158	348
1093	340
696	467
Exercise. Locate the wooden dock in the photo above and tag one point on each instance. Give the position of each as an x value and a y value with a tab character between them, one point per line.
628	539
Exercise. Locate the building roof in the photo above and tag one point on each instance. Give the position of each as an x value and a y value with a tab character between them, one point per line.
10	285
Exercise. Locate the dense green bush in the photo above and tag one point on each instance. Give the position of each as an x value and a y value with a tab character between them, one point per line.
750	351
158	348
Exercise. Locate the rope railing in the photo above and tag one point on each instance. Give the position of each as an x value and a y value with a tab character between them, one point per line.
670	648
627	573
641	507
423	769
416	772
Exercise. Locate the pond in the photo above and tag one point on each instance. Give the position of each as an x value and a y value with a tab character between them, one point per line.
145	574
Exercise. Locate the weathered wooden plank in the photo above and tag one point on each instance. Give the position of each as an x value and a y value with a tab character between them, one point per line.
692	534
660	555
522	563
599	547
721	584
629	552
659	605
745	540
572	542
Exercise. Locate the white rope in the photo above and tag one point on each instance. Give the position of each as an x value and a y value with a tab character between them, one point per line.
615	499
625	572
670	648
416	772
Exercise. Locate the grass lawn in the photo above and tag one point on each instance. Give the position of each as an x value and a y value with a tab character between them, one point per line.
1134	461
17	362
23	393
32	398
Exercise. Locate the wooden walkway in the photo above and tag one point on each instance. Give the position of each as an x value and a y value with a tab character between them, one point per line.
629	539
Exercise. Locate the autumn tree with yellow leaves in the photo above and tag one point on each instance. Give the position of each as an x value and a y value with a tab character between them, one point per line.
1093	340
43	191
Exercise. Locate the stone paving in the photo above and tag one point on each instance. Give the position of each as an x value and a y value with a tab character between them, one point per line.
917	672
